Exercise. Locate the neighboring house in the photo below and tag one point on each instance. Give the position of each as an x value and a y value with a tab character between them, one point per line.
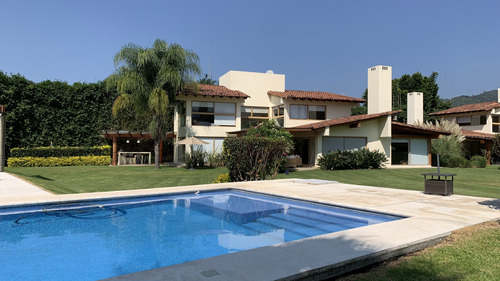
479	122
319	121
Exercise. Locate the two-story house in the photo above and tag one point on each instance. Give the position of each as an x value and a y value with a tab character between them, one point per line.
319	121
479	122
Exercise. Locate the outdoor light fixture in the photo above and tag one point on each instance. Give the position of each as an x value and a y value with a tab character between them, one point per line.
138	141
128	141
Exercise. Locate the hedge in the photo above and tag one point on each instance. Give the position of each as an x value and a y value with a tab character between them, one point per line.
352	159
252	158
61	151
58	161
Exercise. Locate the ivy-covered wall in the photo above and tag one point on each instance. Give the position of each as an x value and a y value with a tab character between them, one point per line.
53	113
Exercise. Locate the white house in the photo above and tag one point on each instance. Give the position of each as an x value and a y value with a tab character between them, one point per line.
319	121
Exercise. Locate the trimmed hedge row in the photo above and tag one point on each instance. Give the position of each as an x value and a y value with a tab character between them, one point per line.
61	151
352	160
58	161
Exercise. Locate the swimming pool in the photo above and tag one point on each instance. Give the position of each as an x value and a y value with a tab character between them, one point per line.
100	239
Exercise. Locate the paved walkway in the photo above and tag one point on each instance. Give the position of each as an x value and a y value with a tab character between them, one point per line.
14	189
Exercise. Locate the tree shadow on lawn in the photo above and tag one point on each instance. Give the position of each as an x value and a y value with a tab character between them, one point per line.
42	178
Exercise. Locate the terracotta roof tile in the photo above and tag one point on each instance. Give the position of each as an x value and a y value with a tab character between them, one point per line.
402	126
477	135
215	91
311	95
484	106
343	120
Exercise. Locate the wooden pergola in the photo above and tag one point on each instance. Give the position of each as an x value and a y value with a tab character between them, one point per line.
115	135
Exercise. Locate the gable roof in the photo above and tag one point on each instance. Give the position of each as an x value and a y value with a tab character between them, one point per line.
312	95
215	91
399	128
342	121
475	107
477	135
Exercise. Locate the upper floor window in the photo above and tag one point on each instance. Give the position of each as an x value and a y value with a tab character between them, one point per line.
464	121
313	112
213	113
496	123
279	114
252	115
479	120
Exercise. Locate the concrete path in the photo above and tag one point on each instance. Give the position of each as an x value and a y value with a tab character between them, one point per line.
14	189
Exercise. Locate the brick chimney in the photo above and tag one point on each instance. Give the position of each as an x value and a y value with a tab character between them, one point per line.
415	108
379	89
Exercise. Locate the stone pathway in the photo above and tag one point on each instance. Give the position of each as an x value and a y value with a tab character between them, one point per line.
13	188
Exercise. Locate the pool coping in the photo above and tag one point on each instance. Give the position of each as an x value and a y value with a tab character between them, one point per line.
430	219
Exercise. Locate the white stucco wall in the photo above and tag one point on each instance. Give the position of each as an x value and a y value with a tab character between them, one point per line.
379	89
333	110
487	128
254	84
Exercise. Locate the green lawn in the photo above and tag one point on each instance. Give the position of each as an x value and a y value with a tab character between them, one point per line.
63	180
475	182
469	254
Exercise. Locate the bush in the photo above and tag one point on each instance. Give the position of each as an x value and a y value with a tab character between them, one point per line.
215	159
451	153
478	161
251	158
195	159
61	151
58	161
352	159
222	178
453	161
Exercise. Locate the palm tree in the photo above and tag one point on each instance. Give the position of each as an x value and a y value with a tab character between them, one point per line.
147	78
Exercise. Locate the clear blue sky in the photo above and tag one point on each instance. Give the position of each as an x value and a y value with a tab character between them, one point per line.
318	45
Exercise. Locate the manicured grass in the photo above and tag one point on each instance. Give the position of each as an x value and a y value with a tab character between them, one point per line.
471	254
475	182
482	182
63	180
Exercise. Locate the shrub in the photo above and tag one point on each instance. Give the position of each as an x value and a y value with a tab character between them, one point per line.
251	158
195	159
478	161
61	151
352	159
215	159
222	178
58	161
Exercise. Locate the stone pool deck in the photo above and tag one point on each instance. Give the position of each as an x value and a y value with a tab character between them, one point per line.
430	219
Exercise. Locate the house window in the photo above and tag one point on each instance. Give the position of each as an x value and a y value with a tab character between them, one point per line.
279	114
331	144
496	123
252	115
479	120
313	112
464	121
213	113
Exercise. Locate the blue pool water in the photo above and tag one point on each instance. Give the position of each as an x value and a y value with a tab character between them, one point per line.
100	239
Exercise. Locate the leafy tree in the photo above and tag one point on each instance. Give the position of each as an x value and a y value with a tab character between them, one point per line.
412	83
207	80
147	79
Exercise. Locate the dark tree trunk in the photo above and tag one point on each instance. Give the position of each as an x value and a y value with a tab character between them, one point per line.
157	154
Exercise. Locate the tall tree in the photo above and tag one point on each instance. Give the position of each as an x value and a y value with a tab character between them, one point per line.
412	83
147	79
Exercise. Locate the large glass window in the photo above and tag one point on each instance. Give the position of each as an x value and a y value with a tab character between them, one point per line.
331	144
213	113
479	120
252	115
313	112
279	114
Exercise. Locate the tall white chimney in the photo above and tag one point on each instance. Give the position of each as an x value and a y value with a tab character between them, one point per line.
379	89
498	95
415	108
